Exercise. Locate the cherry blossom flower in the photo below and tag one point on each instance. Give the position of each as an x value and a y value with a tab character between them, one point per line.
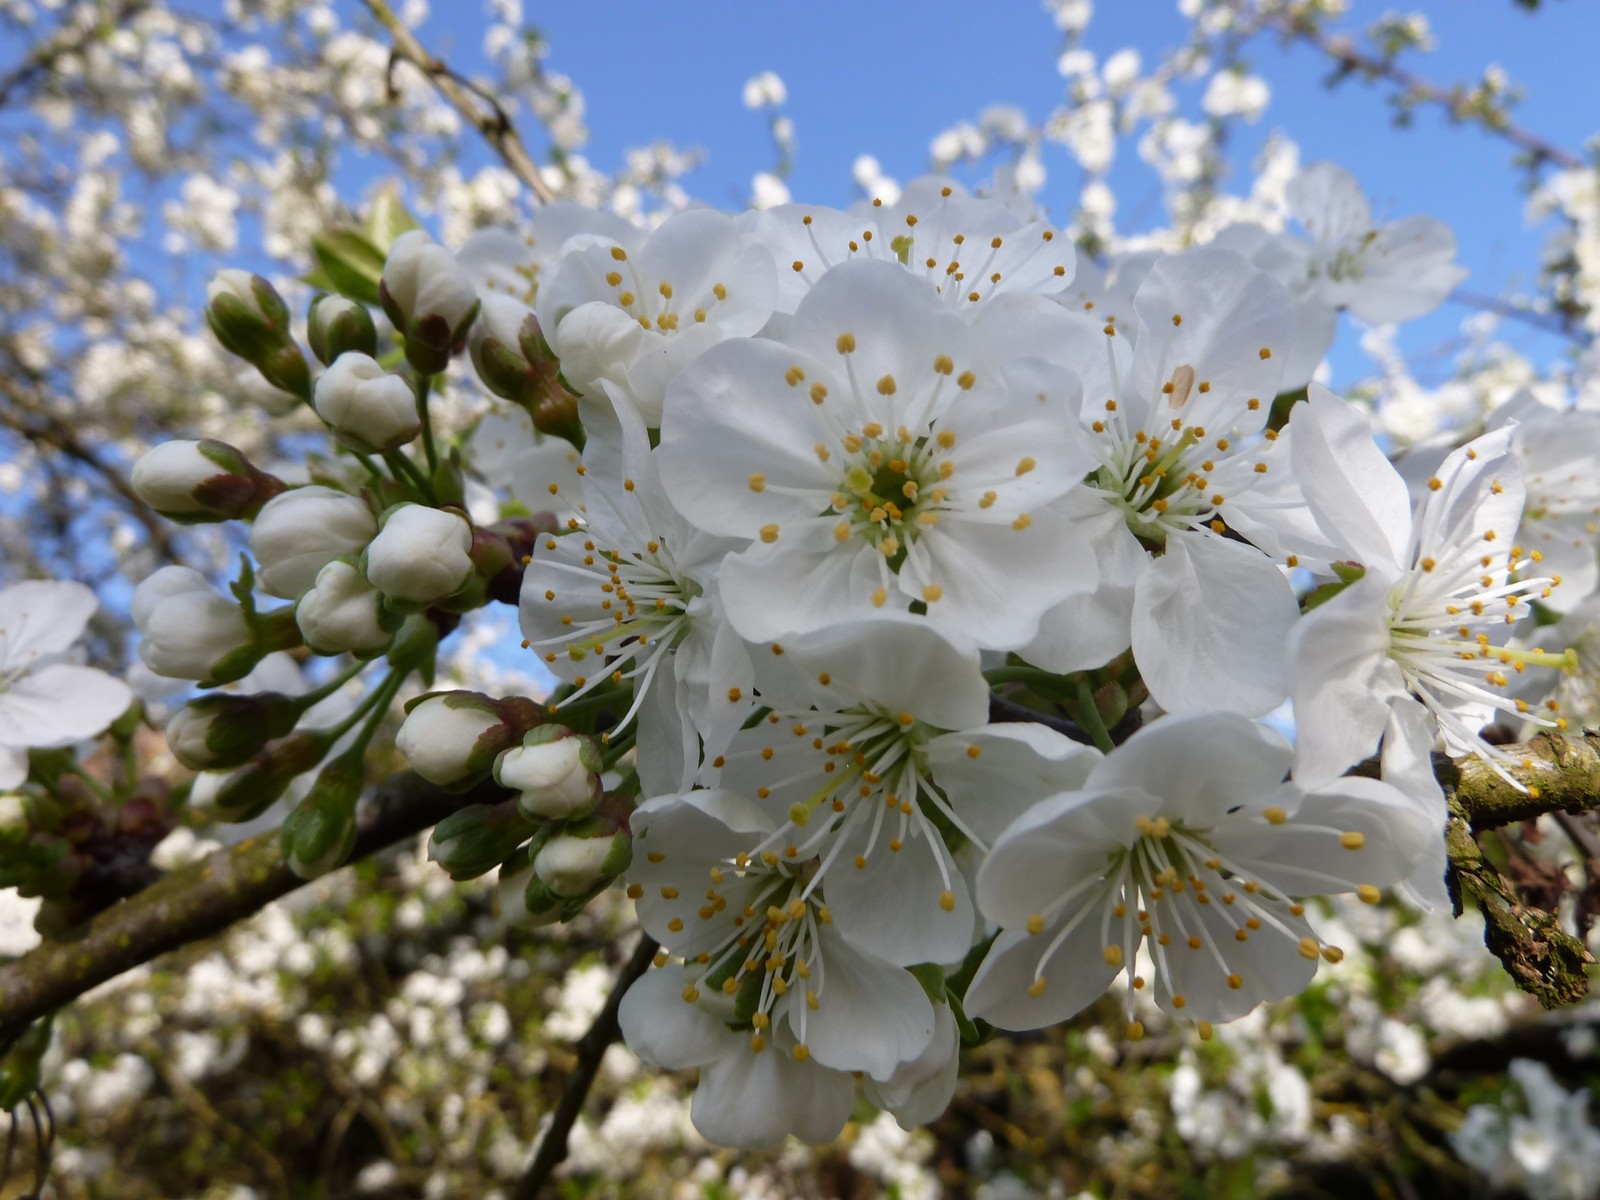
1185	468
1431	612
634	311
764	935
886	454
45	699
1185	840
630	590
969	248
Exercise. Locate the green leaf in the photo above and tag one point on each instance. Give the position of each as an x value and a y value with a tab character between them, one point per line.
348	263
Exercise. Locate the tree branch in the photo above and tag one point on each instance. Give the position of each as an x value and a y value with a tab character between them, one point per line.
1561	773
485	112
1351	59
591	1049
201	900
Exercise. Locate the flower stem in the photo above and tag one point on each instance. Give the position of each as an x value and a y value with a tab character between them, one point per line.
424	385
1087	714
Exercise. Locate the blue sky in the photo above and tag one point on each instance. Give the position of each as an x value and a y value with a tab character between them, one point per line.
885	77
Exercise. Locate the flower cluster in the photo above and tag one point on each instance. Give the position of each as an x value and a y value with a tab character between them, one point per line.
915	600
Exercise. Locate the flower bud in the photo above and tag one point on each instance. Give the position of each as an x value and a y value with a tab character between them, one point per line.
298	533
420	555
477	839
370	409
256	786
342	612
217	731
453	738
523	900
251	320
515	362
193	482
430	299
572	866
338	324
191	631
556	771
319	835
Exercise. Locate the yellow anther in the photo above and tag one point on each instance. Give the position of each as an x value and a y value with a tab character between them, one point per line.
1353	840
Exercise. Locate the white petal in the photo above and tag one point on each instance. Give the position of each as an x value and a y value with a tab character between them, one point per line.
1356	495
1016	765
805	581
891	907
667	1031
870	1016
1054	847
1268	965
920	1090
1342	679
1199	766
1210	619
60	704
1075	977
41	616
1230	313
749	1100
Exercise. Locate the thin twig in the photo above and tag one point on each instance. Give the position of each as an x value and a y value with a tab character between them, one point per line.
591	1049
64	41
474	103
1351	58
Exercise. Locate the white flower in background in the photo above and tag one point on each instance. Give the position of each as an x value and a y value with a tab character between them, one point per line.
969	248
298	533
45	699
843	1007
634	311
765	90
370	409
420	554
887	454
1431	613
190	630
506	262
1187	840
1537	1138
1185	468
1382	273
1561	516
634	592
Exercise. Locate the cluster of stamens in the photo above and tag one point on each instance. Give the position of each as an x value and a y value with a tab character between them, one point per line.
860	767
771	944
1153	892
653	307
641	600
962	268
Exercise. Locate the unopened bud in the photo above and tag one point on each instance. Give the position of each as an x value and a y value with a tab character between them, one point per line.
453	738
514	361
319	835
197	481
556	772
338	324
301	531
571	865
256	786
479	838
523	900
430	299
191	631
251	320
343	613
369	409
218	731
420	555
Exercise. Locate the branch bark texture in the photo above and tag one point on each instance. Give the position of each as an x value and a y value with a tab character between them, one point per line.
198	901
